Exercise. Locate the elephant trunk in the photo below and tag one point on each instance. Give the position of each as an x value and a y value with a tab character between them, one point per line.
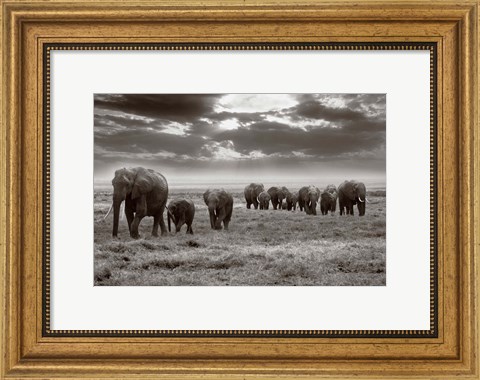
213	218
179	224
361	209
306	205
116	214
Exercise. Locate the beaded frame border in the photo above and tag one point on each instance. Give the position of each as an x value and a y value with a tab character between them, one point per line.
46	284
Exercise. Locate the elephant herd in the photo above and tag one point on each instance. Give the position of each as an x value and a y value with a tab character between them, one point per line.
349	194
145	193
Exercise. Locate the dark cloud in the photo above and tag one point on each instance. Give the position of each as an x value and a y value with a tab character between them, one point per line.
174	107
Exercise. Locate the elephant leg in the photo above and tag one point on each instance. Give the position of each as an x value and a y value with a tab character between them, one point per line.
228	216
129	212
163	227
249	204
156	219
141	211
220	219
255	203
213	218
189	229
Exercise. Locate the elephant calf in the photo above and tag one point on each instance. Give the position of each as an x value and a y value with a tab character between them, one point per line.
220	207
181	211
294	200
264	200
328	200
290	199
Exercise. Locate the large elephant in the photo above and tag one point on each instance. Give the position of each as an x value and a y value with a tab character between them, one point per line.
145	193
328	200
277	195
352	193
252	192
181	211
264	200
308	198
220	207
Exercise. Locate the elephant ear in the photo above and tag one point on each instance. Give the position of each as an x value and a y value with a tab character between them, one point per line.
140	187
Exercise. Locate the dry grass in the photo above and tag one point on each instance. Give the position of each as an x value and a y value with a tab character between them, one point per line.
268	247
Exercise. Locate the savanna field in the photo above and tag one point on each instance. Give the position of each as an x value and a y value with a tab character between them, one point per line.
261	247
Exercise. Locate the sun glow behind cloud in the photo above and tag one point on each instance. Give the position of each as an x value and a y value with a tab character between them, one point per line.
253	103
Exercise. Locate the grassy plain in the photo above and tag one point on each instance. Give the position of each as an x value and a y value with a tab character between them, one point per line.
261	248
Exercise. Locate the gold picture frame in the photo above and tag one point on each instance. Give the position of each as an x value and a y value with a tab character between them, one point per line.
31	29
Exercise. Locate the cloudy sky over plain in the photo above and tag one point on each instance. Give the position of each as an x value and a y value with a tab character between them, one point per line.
235	137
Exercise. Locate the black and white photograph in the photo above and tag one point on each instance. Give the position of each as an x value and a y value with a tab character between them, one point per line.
240	189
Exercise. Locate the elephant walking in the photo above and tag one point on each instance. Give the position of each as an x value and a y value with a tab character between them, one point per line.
145	193
264	200
290	199
328	200
252	192
352	193
220	207
277	195
294	200
308	198
181	211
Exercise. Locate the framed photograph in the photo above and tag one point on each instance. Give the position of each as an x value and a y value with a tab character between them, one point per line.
242	189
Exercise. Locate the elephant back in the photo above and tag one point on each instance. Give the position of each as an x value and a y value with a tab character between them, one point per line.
253	189
288	194
331	189
295	196
264	196
224	198
326	196
303	193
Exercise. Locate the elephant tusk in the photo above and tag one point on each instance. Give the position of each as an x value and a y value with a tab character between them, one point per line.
122	211
109	211
366	200
360	199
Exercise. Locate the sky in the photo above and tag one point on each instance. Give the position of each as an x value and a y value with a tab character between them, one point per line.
202	138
